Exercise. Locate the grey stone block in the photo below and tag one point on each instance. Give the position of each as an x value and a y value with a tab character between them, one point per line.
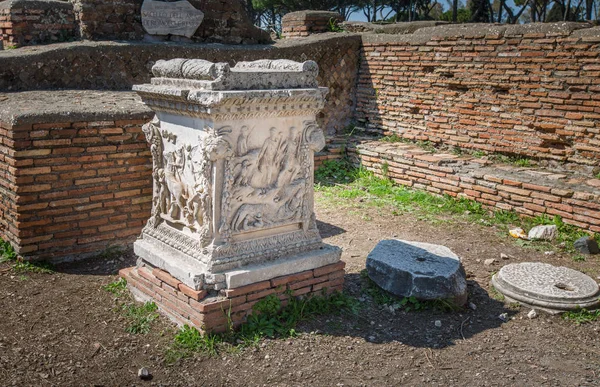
414	269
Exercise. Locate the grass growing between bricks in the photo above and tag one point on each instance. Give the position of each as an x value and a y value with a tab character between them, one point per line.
270	318
139	316
339	182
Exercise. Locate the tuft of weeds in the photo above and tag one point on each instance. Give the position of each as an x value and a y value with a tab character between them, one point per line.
496	295
581	316
269	318
333	26
7	252
33	267
335	171
140	317
117	287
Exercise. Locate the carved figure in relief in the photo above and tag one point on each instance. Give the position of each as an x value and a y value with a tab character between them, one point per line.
242	142
176	186
267	162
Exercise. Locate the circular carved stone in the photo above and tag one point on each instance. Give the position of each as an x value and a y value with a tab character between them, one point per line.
552	288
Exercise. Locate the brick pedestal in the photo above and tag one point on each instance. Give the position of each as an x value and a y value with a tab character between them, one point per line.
212	312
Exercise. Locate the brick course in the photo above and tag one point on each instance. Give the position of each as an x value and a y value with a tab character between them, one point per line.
508	91
70	189
527	191
304	23
24	23
212	313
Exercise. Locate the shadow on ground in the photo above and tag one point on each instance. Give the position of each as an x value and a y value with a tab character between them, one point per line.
377	323
329	230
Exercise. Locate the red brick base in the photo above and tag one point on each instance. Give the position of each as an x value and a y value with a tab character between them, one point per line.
212	313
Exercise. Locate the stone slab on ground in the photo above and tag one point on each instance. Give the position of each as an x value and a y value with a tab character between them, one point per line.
415	269
550	288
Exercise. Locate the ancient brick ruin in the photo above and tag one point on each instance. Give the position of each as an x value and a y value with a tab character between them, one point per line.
525	90
29	22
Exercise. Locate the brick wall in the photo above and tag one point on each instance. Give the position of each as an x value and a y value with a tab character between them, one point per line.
73	187
531	90
213	313
109	19
527	191
304	23
28	22
225	21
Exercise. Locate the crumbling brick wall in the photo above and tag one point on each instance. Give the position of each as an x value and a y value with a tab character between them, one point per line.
109	19
530	90
28	22
225	21
304	23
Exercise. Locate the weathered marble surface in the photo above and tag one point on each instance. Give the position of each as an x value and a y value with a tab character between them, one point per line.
171	18
549	287
233	169
414	269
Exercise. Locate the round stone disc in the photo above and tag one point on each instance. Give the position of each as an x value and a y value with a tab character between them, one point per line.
547	286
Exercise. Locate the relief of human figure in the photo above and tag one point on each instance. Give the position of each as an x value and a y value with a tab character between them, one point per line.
267	165
242	142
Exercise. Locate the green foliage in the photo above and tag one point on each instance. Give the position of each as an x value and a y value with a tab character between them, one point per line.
597	175
189	341
140	317
333	26
117	287
33	267
332	171
519	161
496	295
392	138
7	252
581	316
463	16
268	319
479	154
371	190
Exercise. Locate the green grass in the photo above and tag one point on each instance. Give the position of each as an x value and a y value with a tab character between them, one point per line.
33	267
8	254
597	175
117	287
343	185
140	317
582	316
269	318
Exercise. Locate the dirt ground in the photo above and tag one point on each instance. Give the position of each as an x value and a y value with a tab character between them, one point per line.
62	329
